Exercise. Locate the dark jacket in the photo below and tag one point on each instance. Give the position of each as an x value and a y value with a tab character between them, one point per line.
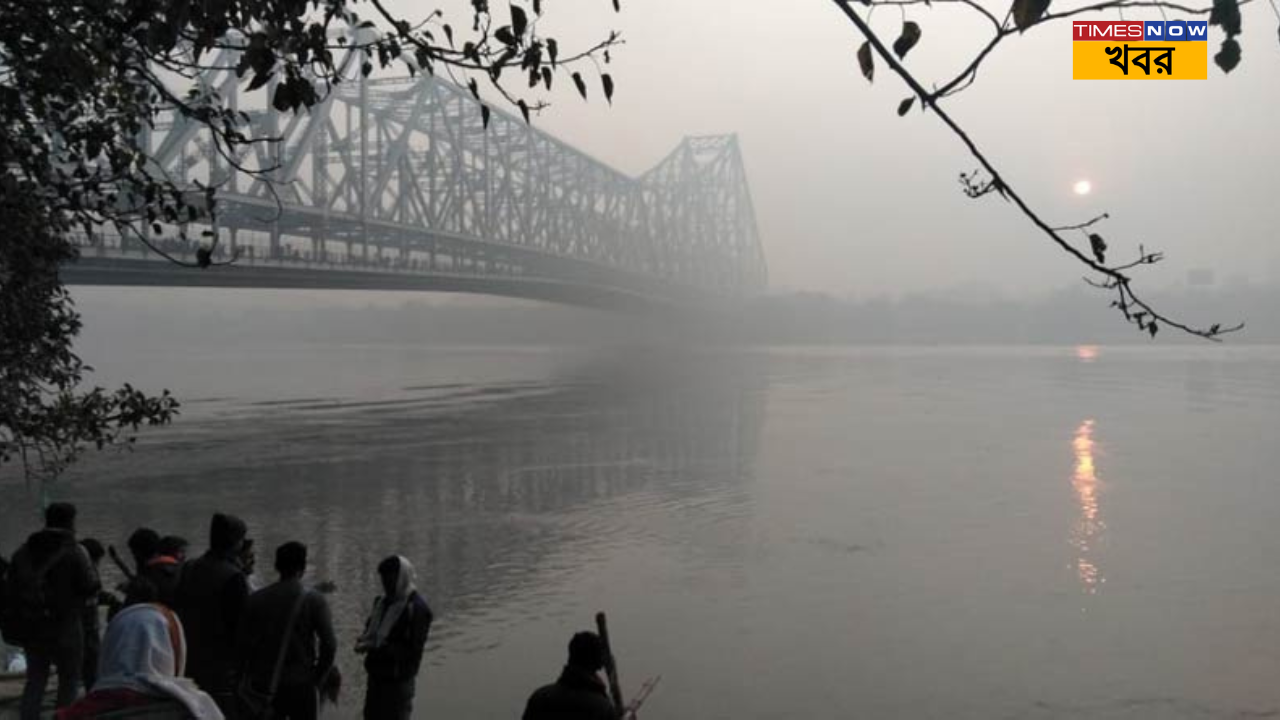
210	600
311	645
156	581
577	695
400	657
70	583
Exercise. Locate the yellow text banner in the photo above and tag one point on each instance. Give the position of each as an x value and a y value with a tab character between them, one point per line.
1094	60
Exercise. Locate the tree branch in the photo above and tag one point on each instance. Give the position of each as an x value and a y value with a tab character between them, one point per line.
1116	278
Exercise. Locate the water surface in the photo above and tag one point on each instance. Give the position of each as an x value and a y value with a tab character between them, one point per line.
879	532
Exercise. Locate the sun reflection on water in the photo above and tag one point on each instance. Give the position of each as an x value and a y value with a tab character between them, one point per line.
1089	526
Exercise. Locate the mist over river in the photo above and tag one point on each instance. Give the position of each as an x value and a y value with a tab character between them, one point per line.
1049	532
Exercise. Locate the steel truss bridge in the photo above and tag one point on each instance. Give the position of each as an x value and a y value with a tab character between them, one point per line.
398	184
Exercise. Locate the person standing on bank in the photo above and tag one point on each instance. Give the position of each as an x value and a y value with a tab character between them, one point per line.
163	570
210	600
142	548
392	643
49	586
144	652
285	645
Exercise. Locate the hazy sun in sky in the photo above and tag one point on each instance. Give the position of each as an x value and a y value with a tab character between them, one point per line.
1083	187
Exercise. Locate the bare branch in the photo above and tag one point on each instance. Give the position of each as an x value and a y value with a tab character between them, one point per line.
1114	278
1083	225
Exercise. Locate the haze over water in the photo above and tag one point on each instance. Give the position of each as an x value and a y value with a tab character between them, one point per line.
877	532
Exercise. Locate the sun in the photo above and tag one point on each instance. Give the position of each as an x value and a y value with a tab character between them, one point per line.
1082	187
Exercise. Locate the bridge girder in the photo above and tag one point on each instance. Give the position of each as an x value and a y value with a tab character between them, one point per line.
404	171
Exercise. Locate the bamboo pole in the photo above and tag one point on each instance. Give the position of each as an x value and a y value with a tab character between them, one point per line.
610	665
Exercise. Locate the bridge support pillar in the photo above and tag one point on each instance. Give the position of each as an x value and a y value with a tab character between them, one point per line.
364	167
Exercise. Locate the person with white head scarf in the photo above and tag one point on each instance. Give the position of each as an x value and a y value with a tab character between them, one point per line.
392	642
143	657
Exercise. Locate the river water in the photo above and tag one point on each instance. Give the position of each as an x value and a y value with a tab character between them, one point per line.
1069	532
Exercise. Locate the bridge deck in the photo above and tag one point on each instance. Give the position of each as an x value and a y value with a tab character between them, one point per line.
118	269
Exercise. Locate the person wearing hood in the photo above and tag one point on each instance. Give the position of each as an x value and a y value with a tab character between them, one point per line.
210	600
143	657
579	693
392	642
51	582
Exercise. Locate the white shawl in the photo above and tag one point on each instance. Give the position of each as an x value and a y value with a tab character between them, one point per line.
145	650
387	610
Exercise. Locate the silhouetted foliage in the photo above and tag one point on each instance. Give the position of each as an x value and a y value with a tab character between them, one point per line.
45	416
1022	16
83	81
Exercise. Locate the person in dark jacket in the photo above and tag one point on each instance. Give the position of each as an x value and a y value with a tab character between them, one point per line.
579	694
174	547
162	573
54	568
309	645
210	600
143	544
392	643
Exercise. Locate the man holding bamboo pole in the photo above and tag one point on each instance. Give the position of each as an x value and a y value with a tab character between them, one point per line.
579	693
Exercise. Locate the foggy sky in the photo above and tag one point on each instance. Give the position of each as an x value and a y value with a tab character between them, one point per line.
853	200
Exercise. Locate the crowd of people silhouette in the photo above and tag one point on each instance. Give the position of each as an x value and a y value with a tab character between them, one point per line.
188	638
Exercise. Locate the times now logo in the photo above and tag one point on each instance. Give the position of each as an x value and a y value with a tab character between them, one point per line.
1137	30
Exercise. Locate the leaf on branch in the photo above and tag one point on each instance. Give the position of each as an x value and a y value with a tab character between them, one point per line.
1153	328
283	99
259	80
519	21
423	56
448	33
1099	247
495	70
866	61
1226	13
607	80
553	50
904	107
484	115
505	36
524	110
907	40
1028	12
581	84
1228	57
617	5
